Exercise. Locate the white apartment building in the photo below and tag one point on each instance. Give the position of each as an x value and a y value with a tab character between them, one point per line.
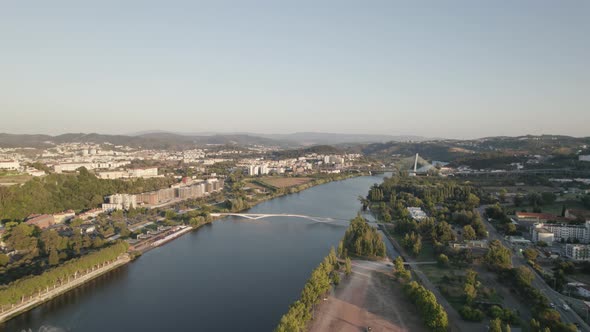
564	231
120	202
579	252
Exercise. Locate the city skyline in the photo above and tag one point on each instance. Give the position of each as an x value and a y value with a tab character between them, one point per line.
455	70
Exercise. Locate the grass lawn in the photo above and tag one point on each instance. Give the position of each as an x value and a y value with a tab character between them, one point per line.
554	208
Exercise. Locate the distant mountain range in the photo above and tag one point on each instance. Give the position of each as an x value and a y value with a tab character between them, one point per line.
168	140
297	143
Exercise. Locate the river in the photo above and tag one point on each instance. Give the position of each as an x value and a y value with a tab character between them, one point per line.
232	275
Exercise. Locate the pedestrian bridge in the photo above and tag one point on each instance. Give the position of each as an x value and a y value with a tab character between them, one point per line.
256	216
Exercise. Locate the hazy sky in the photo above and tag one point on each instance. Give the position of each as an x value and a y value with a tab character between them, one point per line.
435	68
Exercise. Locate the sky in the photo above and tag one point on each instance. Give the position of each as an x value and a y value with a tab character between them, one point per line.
454	69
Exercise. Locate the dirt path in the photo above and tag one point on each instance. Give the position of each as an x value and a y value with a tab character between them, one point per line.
369	297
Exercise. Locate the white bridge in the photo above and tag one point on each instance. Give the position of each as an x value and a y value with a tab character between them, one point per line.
256	216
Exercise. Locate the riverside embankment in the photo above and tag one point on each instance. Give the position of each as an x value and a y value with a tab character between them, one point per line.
251	270
50	293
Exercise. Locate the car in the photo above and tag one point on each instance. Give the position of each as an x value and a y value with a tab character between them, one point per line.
552	305
566	307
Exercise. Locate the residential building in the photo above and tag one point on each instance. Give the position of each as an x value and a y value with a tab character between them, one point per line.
417	213
578	252
120	202
40	220
533	217
9	164
543	235
564	232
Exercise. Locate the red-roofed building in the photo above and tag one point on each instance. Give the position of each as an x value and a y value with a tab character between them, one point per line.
40	220
539	217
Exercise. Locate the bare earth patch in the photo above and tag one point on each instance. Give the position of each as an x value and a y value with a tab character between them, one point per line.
369	297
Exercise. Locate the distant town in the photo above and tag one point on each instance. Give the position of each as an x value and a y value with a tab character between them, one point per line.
467	218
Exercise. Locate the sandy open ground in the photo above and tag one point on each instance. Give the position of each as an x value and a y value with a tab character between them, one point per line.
369	297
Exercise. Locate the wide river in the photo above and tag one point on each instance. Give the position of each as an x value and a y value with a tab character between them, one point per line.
232	275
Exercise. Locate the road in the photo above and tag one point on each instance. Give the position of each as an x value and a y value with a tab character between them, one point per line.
567	316
456	323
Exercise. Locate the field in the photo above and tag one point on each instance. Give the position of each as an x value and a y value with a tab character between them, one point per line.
281	182
9	179
554	208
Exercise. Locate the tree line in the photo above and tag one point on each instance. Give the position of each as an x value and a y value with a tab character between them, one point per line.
20	289
317	285
433	314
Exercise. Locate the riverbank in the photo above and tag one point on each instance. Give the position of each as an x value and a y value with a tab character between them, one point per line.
7	314
297	189
263	249
49	294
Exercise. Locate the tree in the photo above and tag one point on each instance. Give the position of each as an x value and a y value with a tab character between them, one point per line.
340	249
530	254
363	240
524	276
4	259
495	325
443	233
443	260
51	240
469	233
348	266
470	293
502	195
22	237
53	257
498	257
510	228
400	270
472	201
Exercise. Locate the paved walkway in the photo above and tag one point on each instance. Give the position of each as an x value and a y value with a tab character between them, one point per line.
37	300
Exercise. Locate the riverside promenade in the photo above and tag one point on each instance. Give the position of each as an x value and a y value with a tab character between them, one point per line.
48	294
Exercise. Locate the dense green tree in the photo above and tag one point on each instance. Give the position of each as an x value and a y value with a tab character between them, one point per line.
363	240
4	259
22	237
495	325
443	233
498	256
469	233
433	314
443	260
53	257
348	266
51	240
